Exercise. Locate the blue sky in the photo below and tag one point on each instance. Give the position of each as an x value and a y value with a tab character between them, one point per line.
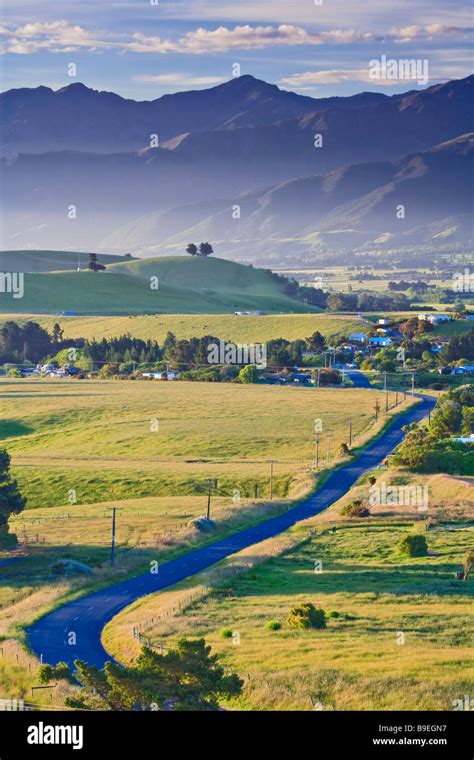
143	50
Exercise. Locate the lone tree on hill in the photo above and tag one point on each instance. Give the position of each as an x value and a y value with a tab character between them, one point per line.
192	249
205	249
94	265
11	501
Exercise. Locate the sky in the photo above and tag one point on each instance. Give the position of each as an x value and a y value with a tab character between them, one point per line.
143	49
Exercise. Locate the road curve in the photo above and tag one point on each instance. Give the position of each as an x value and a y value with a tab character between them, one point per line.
87	616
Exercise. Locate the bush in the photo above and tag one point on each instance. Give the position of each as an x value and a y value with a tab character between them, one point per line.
414	545
333	614
273	625
306	615
226	633
355	509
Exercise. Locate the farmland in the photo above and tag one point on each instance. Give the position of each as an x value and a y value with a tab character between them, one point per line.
399	629
93	439
244	329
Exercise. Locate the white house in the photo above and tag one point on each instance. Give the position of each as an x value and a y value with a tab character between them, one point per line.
161	375
382	342
358	338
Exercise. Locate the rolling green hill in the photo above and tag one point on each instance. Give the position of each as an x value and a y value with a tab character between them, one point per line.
48	261
186	285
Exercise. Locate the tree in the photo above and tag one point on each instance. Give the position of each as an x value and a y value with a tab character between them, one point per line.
414	545
11	500
468	563
248	374
205	249
192	249
187	677
315	342
306	615
94	265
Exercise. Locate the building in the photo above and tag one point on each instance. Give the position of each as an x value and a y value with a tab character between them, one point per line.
161	375
465	369
358	338
380	342
435	319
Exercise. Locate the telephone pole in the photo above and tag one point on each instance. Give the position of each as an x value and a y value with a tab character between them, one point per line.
350	433
271	480
377	409
209	499
112	551
317	453
413	384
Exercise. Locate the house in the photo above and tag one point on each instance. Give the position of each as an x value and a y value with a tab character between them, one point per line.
465	369
170	375
247	313
435	319
380	342
358	338
465	439
383	321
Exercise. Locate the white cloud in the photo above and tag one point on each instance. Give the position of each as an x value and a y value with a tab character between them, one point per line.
307	80
60	36
178	79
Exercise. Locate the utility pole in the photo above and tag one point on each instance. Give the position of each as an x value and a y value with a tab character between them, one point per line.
112	552
385	381
271	480
386	401
413	384
209	482
317	453
377	409
396	399
329	447
350	433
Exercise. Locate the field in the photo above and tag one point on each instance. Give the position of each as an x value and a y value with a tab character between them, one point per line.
243	329
123	439
399	633
93	439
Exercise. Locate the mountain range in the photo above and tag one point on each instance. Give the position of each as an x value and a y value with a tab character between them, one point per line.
244	164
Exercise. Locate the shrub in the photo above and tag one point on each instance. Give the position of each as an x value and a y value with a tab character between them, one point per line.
306	615
273	625
414	545
355	509
333	614
226	633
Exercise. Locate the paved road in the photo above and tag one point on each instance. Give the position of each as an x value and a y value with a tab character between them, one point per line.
87	616
358	378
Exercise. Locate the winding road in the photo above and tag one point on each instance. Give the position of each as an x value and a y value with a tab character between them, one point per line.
87	616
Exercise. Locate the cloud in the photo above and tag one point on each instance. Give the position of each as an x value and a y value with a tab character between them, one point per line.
60	36
307	80
429	32
178	79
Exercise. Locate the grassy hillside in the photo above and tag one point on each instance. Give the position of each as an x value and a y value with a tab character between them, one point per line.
48	261
373	593
186	284
244	329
